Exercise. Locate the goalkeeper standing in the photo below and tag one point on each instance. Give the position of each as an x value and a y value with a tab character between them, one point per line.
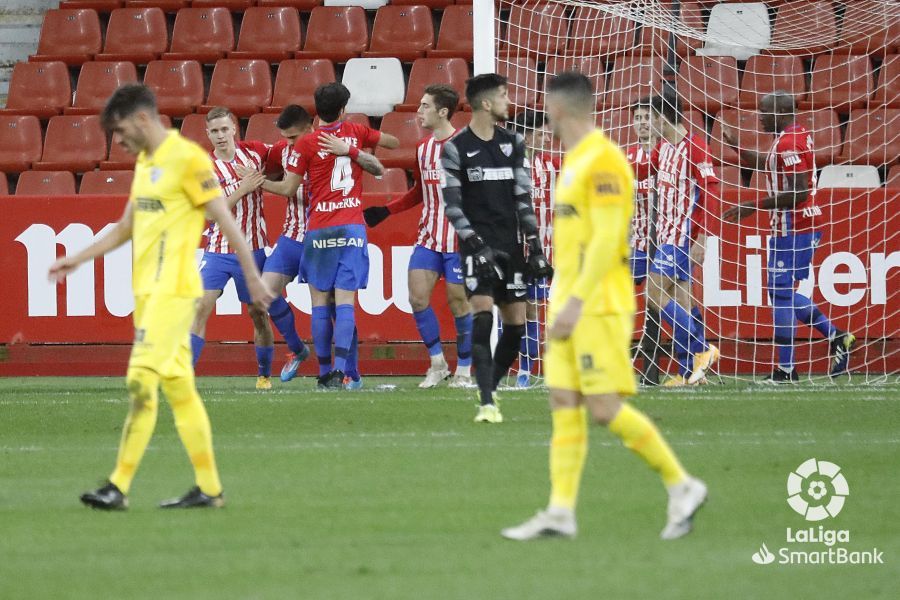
487	193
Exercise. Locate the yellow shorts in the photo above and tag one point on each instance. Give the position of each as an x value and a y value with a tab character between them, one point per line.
162	328
596	359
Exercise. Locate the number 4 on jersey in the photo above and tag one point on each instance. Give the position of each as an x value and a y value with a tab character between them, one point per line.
342	175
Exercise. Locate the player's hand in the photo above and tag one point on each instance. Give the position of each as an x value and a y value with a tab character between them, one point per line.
60	269
251	182
538	265
243	171
260	293
333	144
375	215
741	211
698	250
562	326
484	260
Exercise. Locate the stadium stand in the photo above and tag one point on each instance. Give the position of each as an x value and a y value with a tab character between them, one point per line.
522	73
261	127
375	84
455	34
542	29
730	178
194	127
71	36
406	127
74	143
632	78
42	89
428	71
231	5
304	5
97	80
101	6
135	34
840	82
888	90
593	66
296	81
178	85
403	32
360	118
870	27
609	35
201	34
106	182
272	34
438	4
366	4
765	73
169	6
806	28
46	183
712	81
337	33
871	137
737	30
655	41
893	177
4	184
392	182
848	176
244	86
119	158
826	130
745	125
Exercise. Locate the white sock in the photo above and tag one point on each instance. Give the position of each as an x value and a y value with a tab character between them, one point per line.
438	362
464	371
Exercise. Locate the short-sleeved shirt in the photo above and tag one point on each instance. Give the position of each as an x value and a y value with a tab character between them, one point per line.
639	158
792	154
334	183
168	195
594	173
248	211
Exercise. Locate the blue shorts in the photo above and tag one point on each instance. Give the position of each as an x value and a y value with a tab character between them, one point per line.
442	263
336	258
639	263
217	268
672	261
790	258
538	290
285	257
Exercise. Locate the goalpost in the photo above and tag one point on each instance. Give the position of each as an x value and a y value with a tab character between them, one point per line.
838	59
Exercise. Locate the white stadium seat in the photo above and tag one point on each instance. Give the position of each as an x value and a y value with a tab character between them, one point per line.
849	176
366	4
739	30
375	84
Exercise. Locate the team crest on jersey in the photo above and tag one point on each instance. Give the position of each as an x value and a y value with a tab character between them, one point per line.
155	174
471	283
506	149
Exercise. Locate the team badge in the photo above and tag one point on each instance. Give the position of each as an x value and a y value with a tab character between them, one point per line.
506	149
587	362
471	283
155	174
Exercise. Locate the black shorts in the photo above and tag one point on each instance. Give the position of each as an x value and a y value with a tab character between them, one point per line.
512	288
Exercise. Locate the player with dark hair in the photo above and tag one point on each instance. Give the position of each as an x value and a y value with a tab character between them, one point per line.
487	193
435	254
174	184
335	259
544	169
687	191
591	318
219	265
790	168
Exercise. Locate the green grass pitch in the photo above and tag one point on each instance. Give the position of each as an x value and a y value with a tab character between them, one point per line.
396	494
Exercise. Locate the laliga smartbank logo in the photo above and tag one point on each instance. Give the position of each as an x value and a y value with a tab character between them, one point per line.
817	490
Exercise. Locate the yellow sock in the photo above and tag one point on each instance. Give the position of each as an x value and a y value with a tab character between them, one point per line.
194	430
641	436
568	450
143	392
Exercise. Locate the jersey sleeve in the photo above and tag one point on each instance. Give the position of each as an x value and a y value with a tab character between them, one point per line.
451	185
522	189
704	174
273	164
412	197
298	161
368	137
200	182
793	154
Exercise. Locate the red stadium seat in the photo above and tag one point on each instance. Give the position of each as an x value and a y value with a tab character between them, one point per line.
872	137
455	34
201	34
244	86
403	32
229	5
893	177
616	124
119	158
745	125
296	81
888	90
433	4
106	182
708	83
460	119
592	66
826	131
169	6
804	28
73	143
135	34
632	78
46	183
194	128
38	88
304	5
765	74
428	71
392	182
4	184
654	41
598	33
405	126
536	28
840	82
870	27
350	118
20	142
271	34
101	6
758	180
261	127
72	36
96	83
178	85
336	33
731	178
522	74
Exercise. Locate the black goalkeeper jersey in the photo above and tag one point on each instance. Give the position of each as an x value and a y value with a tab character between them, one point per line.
491	176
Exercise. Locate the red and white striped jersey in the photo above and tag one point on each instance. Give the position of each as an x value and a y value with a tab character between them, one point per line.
685	182
295	215
643	193
792	154
544	169
248	212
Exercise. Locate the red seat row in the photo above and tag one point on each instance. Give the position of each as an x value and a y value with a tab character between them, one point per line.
338	33
234	5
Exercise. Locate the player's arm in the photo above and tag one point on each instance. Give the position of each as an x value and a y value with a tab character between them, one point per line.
388	141
538	265
251	180
707	205
339	147
293	176
112	239
747	157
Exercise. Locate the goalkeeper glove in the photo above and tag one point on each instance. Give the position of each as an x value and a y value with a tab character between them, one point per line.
484	259
538	265
375	215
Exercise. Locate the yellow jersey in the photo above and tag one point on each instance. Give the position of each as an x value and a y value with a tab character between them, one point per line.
591	228
168	195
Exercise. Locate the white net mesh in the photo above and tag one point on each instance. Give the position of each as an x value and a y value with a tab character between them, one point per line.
839	62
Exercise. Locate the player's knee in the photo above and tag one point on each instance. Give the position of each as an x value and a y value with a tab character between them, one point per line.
141	384
418	301
482	325
260	317
515	332
604	408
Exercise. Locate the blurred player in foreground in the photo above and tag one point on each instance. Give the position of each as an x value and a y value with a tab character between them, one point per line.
174	184
588	363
